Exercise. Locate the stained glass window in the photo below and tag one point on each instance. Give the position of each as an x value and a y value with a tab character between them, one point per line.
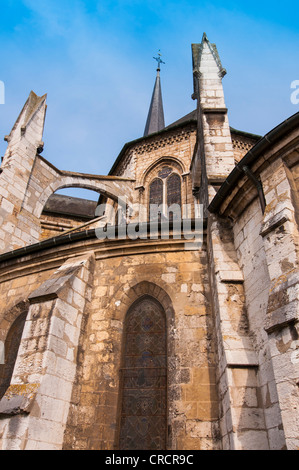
164	193
155	198
144	378
156	192
173	189
164	172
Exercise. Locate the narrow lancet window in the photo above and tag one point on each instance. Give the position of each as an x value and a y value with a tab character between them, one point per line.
144	378
174	189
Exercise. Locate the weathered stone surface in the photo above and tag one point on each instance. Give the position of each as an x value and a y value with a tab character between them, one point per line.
18	399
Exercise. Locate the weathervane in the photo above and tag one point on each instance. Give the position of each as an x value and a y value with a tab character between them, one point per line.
159	60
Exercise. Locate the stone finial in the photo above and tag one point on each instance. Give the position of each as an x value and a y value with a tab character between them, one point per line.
34	110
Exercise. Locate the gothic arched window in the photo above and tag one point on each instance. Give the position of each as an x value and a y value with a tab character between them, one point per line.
165	191
12	344
143	421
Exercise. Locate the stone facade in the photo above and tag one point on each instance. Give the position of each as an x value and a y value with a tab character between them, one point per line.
230	366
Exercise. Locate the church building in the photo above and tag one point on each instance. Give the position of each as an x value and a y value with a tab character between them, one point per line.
164	316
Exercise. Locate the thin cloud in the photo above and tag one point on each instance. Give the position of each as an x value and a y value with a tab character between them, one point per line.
95	61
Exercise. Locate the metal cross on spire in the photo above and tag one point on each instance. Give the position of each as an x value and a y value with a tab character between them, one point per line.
159	60
155	118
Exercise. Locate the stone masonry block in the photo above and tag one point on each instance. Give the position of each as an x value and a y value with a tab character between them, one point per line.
18	399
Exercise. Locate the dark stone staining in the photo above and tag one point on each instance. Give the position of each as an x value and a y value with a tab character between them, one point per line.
12	344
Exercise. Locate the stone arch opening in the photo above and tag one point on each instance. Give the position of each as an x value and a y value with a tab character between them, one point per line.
49	192
11	348
66	210
80	193
110	187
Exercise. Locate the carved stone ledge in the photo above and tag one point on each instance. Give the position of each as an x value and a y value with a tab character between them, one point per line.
283	303
235	277
18	399
275	221
215	110
51	288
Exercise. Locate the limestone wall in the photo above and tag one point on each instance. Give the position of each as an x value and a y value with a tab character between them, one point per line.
53	225
178	143
241	419
266	242
252	257
241	145
86	416
35	407
280	236
178	280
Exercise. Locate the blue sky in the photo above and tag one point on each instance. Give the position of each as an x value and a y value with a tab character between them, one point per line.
94	59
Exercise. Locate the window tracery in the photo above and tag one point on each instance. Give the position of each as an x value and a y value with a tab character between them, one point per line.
165	191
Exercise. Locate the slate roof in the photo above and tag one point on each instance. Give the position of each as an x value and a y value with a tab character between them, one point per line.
70	206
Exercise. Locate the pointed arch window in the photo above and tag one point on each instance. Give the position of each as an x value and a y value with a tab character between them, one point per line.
143	420
165	191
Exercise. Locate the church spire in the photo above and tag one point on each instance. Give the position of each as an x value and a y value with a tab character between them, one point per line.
155	119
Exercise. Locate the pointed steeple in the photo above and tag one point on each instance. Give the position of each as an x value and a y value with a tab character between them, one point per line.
31	119
155	119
